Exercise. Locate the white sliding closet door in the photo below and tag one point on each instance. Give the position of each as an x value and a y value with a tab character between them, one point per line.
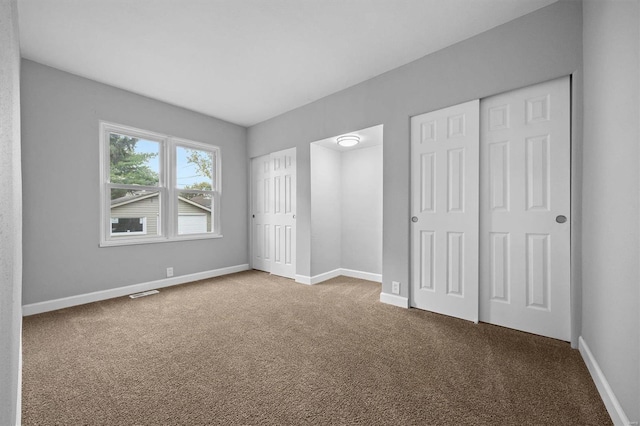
273	205
444	208
525	209
490	205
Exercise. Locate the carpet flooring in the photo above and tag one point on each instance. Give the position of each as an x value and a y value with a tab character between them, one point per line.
255	349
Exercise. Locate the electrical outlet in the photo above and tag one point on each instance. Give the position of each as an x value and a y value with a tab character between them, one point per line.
169	272
395	287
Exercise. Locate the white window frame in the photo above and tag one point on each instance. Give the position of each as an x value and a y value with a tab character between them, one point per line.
167	188
214	193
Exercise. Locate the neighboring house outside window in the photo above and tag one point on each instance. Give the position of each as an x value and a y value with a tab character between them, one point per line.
128	225
194	215
157	188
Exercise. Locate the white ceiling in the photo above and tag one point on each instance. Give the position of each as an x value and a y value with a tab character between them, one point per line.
245	61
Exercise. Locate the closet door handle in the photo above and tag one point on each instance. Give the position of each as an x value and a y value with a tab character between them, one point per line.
414	219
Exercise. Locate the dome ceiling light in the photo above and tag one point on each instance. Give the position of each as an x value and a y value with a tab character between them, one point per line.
348	140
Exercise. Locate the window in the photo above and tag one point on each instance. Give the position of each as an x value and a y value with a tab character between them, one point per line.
128	225
156	188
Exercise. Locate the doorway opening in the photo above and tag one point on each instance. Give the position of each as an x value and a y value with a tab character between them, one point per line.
346	206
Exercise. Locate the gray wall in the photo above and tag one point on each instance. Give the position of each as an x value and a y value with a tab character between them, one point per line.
537	47
362	209
10	216
60	114
611	195
326	217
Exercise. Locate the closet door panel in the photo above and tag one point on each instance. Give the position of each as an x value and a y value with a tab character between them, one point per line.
444	208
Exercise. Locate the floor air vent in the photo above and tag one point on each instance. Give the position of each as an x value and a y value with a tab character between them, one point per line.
144	293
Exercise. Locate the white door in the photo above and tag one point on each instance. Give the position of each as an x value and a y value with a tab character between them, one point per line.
273	206
444	209
283	176
525	209
261	201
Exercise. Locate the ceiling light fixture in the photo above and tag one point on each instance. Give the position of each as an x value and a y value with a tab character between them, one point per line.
348	140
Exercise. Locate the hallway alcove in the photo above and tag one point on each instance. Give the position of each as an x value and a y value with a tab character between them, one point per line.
346	207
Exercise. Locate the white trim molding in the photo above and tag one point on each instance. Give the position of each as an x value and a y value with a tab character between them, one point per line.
19	398
81	299
612	404
395	300
317	279
303	279
362	275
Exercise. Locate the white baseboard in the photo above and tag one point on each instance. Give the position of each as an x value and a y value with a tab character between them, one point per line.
606	393
395	300
303	279
81	299
362	275
317	279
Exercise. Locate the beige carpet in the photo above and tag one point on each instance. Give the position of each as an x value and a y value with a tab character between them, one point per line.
254	349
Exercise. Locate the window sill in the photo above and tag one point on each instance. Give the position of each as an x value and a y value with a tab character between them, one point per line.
115	243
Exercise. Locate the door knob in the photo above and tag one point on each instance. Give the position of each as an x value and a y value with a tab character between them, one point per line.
414	219
561	219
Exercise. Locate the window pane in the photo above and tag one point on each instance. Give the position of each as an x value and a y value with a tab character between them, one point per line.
194	169
120	225
134	213
194	213
133	161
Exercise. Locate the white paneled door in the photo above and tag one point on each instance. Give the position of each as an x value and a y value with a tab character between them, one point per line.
262	224
444	208
283	176
273	212
490	205
525	209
